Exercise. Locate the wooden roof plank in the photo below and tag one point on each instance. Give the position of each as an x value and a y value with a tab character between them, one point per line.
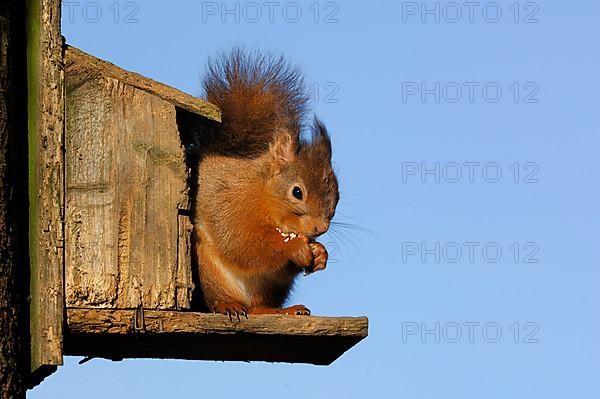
74	56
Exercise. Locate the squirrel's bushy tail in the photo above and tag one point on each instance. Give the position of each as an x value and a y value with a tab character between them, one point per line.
258	94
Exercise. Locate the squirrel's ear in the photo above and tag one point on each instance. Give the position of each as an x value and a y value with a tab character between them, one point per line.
283	149
321	142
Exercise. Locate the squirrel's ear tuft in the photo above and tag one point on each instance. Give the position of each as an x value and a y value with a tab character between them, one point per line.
283	148
320	139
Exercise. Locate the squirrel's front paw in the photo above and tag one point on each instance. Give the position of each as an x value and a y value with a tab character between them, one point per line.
320	256
303	254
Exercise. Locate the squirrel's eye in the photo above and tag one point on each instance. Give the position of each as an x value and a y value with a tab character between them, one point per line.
297	192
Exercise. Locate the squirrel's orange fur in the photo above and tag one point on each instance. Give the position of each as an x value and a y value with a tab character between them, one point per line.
264	194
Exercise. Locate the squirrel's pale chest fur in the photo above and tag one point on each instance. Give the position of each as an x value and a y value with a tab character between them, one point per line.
234	228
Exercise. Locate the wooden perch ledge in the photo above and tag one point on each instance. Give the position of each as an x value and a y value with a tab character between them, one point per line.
116	334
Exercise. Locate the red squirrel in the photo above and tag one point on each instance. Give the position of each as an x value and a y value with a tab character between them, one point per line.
265	193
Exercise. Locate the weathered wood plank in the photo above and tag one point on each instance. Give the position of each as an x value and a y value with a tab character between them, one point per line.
167	93
191	335
46	181
126	179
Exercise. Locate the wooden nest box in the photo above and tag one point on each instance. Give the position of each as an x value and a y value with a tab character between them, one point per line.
127	225
126	252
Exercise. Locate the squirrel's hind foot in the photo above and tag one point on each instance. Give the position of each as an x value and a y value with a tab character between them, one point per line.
296	310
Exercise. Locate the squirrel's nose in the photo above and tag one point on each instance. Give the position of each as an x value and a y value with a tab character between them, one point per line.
321	228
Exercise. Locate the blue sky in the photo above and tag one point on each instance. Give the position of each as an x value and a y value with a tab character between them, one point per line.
467	147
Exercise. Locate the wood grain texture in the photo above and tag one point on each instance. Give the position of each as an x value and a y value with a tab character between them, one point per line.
167	93
126	182
46	181
191	335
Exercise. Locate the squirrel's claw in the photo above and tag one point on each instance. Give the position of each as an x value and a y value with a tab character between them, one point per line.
231	309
